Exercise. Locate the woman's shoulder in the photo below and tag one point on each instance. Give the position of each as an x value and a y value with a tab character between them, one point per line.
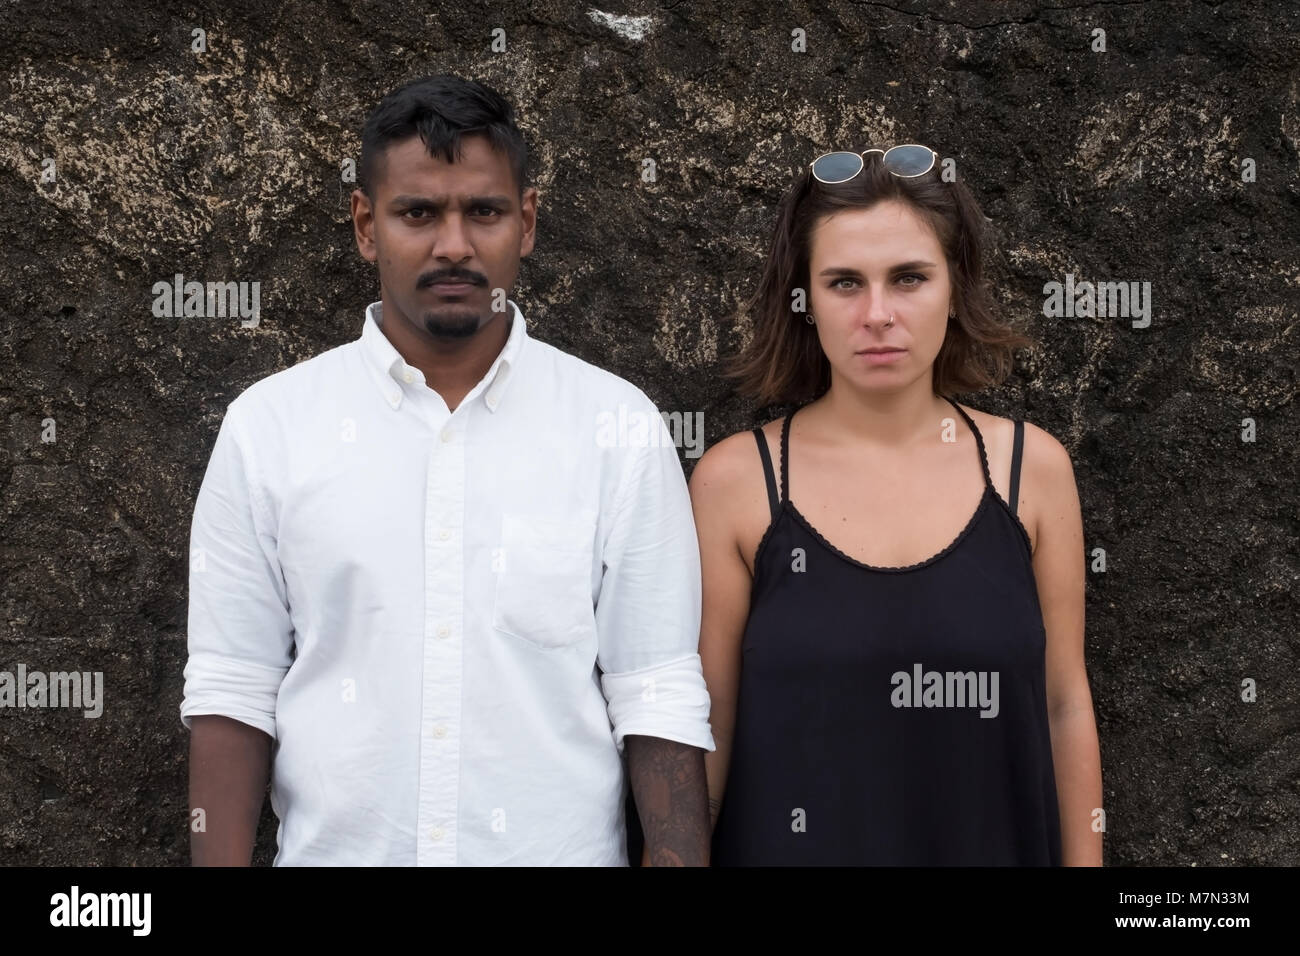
734	461
1046	472
1038	443
729	492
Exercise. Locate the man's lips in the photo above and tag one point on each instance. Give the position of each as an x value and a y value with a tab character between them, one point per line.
452	288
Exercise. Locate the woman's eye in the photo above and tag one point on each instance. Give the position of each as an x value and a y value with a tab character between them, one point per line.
835	284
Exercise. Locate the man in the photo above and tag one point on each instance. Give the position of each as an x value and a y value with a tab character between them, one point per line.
421	578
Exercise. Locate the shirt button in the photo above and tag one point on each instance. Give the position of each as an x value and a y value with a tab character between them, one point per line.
447	434
444	631
440	731
444	534
436	833
408	377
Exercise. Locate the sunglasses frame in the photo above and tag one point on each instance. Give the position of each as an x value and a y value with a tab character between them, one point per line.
862	158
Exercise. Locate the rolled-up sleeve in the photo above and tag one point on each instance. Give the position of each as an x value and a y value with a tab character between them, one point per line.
240	631
648	612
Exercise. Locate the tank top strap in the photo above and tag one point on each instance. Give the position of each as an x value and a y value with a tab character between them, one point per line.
979	440
785	457
766	455
1017	446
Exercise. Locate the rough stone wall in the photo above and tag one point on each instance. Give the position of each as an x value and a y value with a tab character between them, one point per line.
1128	164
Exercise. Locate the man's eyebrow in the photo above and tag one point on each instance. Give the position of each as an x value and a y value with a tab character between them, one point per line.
900	267
497	202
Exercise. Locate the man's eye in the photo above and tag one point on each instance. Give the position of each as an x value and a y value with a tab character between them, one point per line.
489	210
912	275
410	211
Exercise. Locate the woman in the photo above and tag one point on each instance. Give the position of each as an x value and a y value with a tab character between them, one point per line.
893	583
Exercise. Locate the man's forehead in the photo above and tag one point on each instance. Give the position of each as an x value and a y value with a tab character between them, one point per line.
411	170
475	155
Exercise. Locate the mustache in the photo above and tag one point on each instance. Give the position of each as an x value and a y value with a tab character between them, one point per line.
455	275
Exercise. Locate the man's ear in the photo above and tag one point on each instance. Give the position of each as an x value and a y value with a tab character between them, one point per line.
363	225
528	212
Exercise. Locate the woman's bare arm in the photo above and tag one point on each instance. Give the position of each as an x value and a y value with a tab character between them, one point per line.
723	486
1059	573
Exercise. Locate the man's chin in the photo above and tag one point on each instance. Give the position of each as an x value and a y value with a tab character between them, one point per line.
455	325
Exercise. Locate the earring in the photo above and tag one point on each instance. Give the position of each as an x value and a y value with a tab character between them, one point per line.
809	319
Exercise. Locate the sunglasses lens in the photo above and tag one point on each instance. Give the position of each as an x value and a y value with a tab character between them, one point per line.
837	167
908	160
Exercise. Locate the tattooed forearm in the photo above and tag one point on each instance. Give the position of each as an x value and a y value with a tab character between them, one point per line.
672	799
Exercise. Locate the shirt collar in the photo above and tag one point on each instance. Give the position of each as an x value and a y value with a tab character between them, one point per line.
391	372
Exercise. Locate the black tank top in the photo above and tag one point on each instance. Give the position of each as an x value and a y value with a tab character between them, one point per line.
892	716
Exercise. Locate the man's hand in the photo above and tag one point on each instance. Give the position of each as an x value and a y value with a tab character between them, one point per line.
672	799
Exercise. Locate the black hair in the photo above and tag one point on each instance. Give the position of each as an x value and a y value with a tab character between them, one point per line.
440	110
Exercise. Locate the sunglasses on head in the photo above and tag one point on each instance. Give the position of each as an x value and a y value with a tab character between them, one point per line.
908	161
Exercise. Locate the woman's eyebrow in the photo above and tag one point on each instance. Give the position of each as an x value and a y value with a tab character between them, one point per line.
900	267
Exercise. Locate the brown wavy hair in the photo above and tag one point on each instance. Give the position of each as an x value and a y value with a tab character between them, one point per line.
783	362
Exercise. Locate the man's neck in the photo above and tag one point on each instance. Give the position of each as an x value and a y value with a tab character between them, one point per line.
451	367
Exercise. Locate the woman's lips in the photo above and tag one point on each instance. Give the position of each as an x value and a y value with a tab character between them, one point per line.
881	358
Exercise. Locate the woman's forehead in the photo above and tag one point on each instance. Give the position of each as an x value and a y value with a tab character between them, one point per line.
884	233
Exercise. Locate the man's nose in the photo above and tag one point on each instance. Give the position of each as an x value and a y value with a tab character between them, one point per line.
451	240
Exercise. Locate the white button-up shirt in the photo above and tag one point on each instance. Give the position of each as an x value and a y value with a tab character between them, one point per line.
446	621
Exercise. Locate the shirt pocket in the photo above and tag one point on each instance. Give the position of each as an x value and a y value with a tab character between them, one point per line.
543	587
